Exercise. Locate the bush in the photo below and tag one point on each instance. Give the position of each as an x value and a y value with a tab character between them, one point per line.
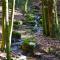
16	24
16	35
29	23
27	47
29	17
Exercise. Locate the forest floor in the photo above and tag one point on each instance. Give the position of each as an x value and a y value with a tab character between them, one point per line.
43	43
46	42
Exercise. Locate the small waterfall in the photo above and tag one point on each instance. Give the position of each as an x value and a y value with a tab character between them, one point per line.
36	26
38	29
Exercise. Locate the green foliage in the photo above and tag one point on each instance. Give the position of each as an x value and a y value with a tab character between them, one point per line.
16	35
26	47
29	17
21	4
28	40
30	23
16	24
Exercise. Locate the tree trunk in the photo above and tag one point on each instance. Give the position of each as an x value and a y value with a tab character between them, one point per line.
7	26
9	31
11	21
45	17
50	19
3	24
55	17
50	16
26	6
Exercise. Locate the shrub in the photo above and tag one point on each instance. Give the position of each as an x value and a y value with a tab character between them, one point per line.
29	23
16	35
27	47
16	24
29	17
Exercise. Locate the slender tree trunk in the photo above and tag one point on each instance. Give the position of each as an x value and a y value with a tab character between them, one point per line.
45	17
55	12
50	16
50	19
12	18
9	31
3	24
7	26
55	17
26	6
